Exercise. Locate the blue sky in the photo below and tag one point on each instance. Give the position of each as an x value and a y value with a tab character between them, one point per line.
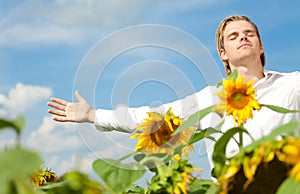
45	46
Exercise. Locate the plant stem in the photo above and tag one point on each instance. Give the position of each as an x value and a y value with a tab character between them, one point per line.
126	156
241	142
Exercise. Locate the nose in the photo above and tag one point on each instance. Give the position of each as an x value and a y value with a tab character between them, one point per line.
243	37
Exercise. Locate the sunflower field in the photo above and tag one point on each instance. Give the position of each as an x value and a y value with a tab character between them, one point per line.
268	165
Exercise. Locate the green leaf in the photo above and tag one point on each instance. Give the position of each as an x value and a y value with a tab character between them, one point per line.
289	186
203	134
165	157
19	124
152	161
5	124
16	165
18	162
16	124
75	182
135	189
233	74
178	149
279	109
23	187
116	175
219	157
199	186
214	189
138	157
53	185
219	154
194	118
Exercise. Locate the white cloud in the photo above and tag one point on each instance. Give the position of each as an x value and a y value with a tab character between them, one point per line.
112	144
53	137
60	147
2	113
77	162
63	150
74	161
21	98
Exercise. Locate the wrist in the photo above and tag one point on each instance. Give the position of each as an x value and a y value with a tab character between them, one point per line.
91	115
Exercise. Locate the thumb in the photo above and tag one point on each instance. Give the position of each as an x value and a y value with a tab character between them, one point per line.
78	96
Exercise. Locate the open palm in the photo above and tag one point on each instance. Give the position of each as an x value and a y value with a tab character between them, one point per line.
65	111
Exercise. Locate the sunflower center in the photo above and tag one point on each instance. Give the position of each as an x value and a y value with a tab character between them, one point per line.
239	100
162	135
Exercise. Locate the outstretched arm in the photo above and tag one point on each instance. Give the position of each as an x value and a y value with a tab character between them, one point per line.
123	118
72	112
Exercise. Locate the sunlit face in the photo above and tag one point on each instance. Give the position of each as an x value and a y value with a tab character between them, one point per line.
241	43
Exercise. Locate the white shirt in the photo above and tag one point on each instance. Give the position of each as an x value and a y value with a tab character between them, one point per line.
280	89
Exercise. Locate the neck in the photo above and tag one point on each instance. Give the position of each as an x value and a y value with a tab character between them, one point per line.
250	72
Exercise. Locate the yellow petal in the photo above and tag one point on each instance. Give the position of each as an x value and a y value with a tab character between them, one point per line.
231	171
269	157
295	172
247	169
291	150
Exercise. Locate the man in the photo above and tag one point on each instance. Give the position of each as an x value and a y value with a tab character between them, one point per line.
241	49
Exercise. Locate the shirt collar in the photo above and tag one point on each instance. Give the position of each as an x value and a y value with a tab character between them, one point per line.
268	74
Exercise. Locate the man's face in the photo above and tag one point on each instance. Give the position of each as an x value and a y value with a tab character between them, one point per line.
241	43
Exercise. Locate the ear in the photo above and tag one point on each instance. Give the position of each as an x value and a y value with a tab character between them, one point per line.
223	55
261	49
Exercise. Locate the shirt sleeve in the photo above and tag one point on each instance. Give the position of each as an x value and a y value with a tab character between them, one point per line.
297	84
126	119
122	118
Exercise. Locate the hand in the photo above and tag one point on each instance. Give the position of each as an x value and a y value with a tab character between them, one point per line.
72	112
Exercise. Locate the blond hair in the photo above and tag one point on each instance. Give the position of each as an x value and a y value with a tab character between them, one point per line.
220	37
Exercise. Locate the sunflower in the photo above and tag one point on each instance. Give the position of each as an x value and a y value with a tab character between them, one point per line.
263	169
237	99
156	134
43	177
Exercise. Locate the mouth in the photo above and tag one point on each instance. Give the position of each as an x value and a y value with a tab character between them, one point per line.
244	45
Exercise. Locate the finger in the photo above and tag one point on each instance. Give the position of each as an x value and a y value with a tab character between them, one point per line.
58	113
59	101
61	119
78	96
57	106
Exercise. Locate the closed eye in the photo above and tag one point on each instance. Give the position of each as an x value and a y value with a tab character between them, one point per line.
250	33
232	36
